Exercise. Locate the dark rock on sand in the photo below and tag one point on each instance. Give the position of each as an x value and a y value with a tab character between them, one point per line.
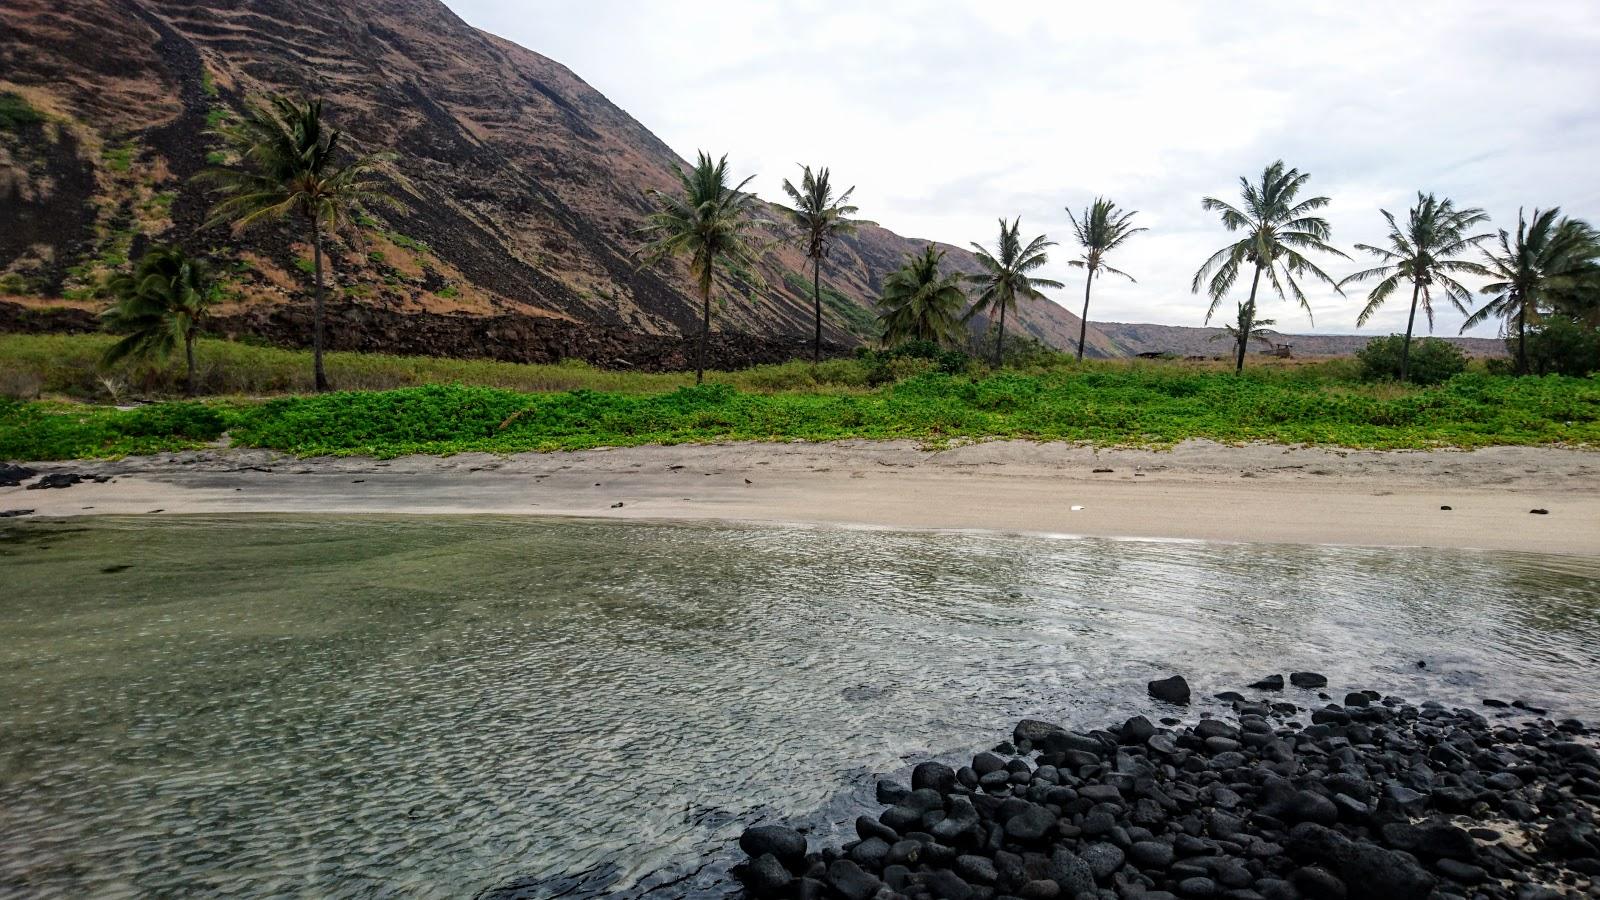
11	476
1270	683
1308	680
56	480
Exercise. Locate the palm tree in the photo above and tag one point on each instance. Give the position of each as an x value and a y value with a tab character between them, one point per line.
1276	229
1258	329
708	222
1548	255
160	306
1005	277
821	218
1422	253
287	168
1103	229
920	304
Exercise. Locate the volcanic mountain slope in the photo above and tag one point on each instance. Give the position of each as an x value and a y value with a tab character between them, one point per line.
525	184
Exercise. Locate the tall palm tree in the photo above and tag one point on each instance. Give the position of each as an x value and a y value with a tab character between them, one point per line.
1005	277
1276	230
1423	253
160	306
920	304
287	168
820	218
1548	254
1104	228
706	221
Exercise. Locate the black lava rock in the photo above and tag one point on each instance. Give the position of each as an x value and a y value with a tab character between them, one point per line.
56	480
785	844
1170	690
1308	680
1269	683
937	776
11	476
1362	803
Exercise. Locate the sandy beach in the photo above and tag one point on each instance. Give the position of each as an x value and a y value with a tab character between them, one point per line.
1197	490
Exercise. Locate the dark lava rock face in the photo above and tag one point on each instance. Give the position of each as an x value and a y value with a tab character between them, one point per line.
1376	798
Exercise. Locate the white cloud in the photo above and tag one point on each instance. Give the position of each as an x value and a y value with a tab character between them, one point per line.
949	115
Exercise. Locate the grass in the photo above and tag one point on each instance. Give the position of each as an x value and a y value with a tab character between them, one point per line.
573	407
118	158
15	112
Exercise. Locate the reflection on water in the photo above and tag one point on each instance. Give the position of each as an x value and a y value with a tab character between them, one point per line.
525	708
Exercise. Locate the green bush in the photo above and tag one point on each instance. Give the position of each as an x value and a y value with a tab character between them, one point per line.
1432	360
1564	347
193	421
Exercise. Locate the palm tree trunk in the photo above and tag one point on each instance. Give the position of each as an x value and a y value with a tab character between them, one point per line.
188	353
1083	322
1522	342
1411	321
1247	323
1000	340
816	296
705	331
320	376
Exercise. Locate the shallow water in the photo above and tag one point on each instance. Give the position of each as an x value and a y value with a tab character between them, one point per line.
526	708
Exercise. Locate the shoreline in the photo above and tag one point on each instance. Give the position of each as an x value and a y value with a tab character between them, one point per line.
1196	491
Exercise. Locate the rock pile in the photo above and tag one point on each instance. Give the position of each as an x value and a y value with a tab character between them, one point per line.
1370	798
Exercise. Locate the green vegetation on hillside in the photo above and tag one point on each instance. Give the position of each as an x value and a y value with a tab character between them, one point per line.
855	319
1118	404
15	112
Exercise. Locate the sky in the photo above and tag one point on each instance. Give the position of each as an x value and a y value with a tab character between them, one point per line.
949	115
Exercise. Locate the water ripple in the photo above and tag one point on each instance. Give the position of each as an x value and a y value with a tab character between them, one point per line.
373	707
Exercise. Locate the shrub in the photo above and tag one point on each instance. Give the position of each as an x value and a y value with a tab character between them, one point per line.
890	369
1431	361
195	421
1564	347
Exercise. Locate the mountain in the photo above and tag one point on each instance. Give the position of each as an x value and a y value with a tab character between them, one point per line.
1133	339
526	184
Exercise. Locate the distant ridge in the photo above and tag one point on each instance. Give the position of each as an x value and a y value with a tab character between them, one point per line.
1131	339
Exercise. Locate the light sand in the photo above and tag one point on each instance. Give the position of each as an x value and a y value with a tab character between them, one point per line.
1198	490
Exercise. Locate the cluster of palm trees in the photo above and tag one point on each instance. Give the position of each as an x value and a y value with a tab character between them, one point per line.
1546	258
282	165
711	225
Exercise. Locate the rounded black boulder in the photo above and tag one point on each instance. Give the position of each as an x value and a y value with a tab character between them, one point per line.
785	844
1170	690
1308	680
1136	730
937	776
766	877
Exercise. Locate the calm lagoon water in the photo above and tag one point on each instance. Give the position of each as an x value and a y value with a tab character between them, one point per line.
491	707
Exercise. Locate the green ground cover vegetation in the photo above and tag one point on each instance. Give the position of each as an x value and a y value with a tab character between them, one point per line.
506	407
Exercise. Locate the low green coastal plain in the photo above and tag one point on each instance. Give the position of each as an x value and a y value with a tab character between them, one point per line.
514	408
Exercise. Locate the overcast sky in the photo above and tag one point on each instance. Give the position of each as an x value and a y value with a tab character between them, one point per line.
948	115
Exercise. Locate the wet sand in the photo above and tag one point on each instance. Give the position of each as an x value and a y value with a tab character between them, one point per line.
1198	490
